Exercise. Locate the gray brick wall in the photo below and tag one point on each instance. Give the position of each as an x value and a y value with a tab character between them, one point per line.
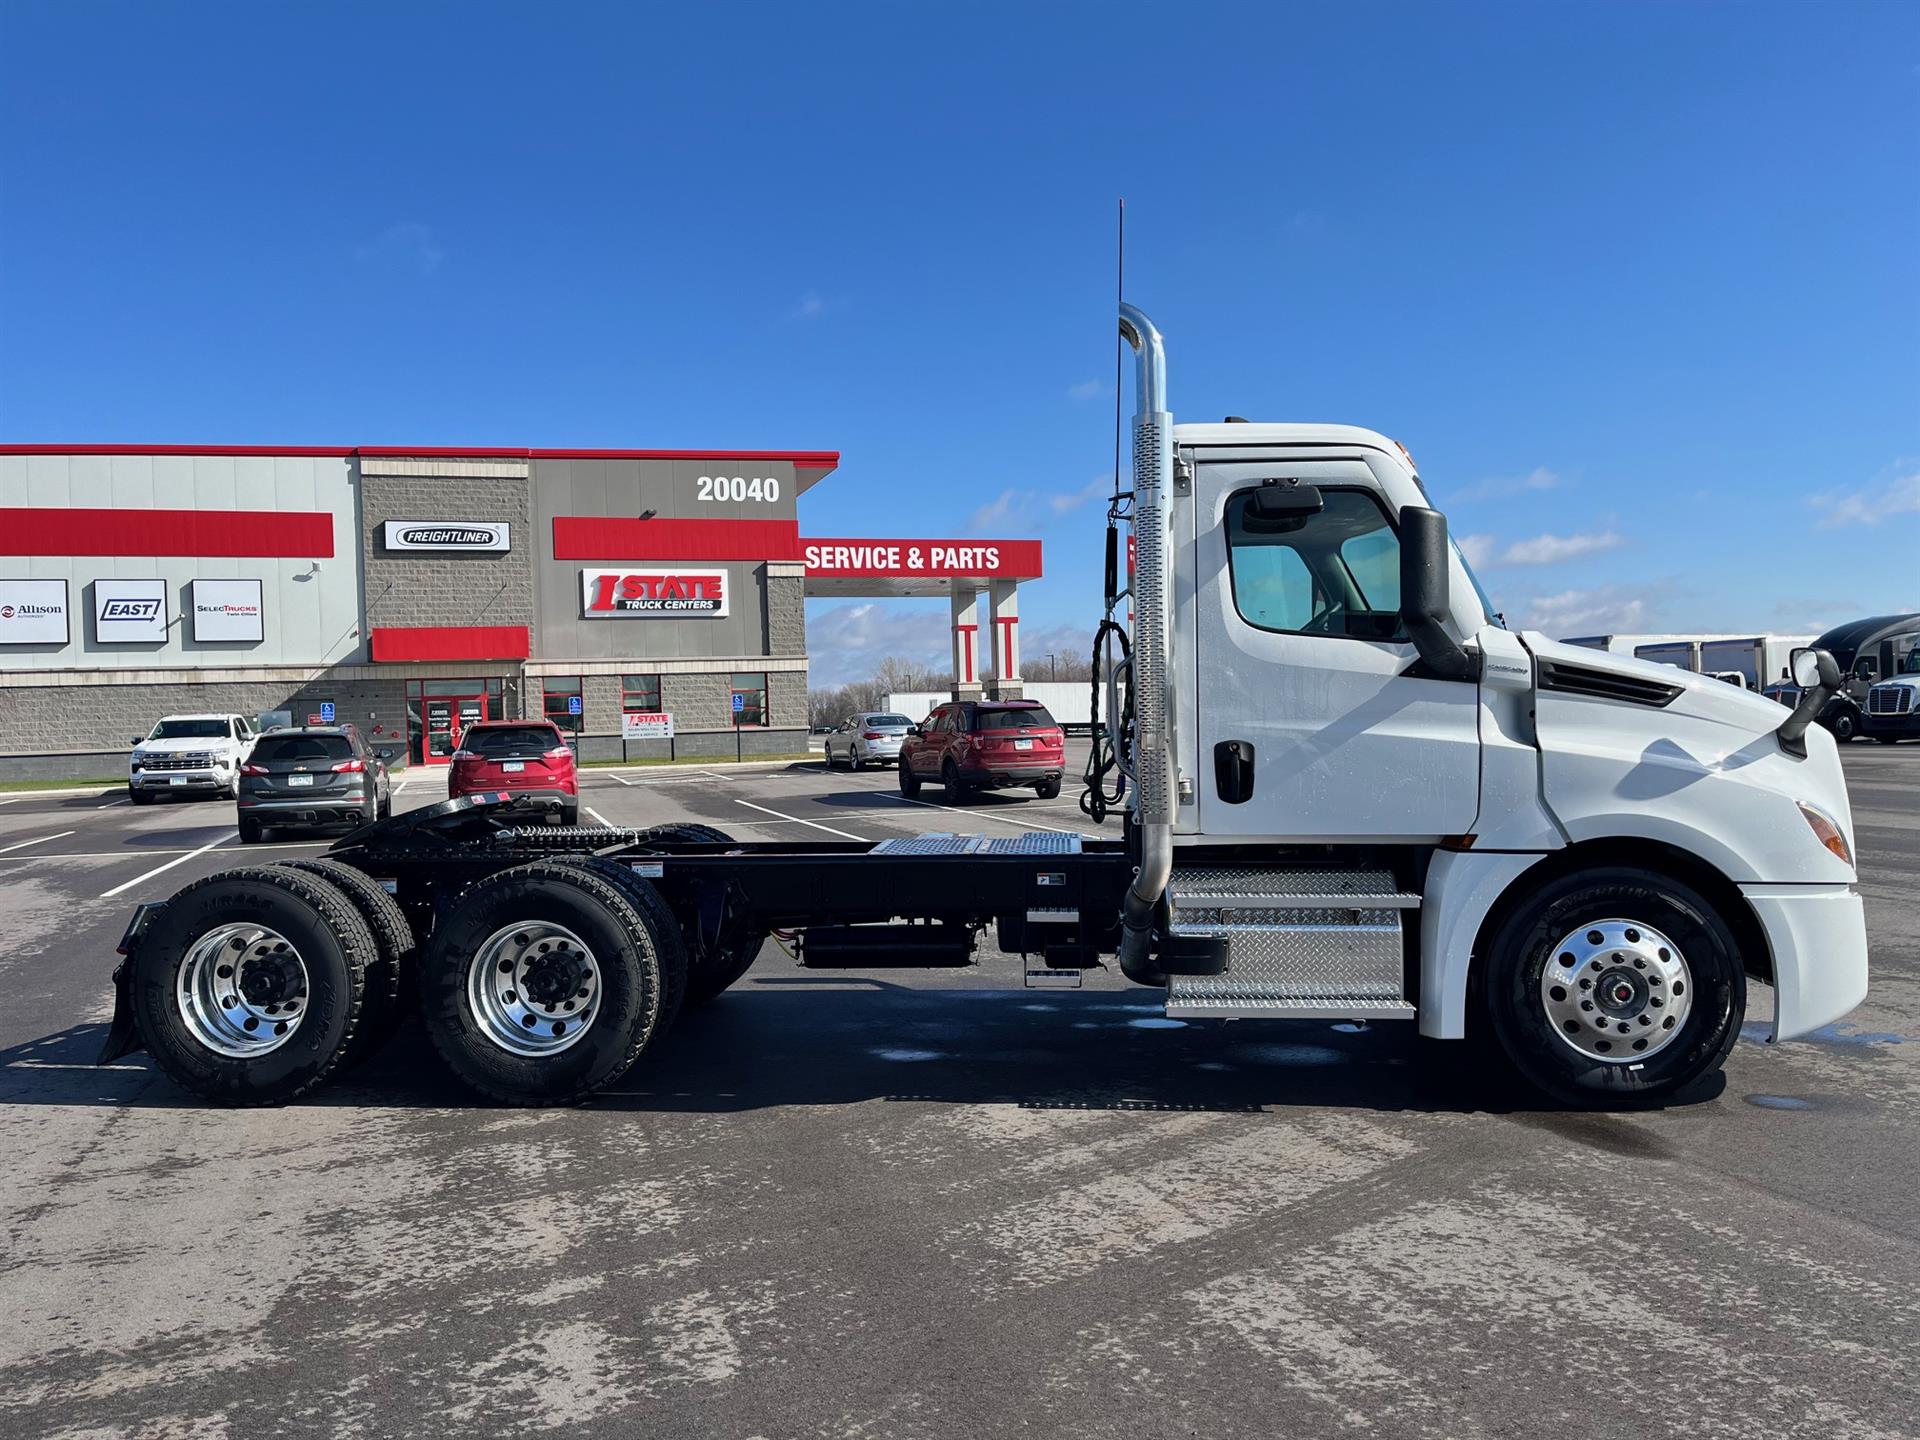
786	615
75	729
428	587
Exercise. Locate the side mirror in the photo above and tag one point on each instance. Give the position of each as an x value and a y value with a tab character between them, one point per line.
1818	673
134	741
1425	593
1814	667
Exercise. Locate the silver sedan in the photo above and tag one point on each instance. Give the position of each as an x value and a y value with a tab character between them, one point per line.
867	739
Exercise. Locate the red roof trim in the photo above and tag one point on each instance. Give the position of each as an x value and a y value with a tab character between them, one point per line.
805	459
300	451
620	537
53	530
450	642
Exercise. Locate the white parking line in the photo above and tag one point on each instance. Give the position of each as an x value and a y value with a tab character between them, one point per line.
778	816
37	840
983	815
145	854
602	819
123	800
621	778
162	869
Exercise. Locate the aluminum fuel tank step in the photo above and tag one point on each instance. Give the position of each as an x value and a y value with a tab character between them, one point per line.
1301	942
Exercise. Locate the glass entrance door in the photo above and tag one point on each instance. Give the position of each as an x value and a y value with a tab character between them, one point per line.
439	712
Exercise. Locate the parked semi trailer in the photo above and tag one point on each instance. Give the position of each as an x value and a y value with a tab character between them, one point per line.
1068	701
1348	790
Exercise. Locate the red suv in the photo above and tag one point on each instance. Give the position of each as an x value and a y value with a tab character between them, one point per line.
975	745
529	759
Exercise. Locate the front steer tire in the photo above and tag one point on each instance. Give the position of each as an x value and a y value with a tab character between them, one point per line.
1525	942
332	943
634	956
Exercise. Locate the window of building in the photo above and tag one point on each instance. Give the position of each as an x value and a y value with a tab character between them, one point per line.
749	699
1336	572
640	693
561	703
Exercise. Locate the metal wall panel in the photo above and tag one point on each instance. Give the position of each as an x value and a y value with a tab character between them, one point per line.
669	488
311	619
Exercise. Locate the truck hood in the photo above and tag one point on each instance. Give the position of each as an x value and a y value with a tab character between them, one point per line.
1702	772
217	744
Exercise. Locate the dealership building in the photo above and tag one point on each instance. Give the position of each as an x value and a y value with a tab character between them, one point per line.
413	591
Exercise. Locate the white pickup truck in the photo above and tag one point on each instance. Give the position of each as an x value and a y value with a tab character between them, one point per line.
190	755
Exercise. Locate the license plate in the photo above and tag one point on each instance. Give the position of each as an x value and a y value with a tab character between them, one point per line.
1023	744
176	780
513	767
299	779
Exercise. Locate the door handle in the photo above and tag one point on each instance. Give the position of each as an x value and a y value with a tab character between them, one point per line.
1233	771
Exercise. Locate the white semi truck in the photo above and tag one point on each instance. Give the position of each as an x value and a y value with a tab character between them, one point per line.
1349	793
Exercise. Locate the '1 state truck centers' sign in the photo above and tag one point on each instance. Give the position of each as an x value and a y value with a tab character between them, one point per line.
653	592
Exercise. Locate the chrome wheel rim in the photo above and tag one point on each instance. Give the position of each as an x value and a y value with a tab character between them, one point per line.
242	990
1616	991
534	987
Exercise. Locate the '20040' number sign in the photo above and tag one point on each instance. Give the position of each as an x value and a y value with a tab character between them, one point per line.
736	487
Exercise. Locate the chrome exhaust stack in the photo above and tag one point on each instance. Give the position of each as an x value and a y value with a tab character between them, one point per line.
1152	742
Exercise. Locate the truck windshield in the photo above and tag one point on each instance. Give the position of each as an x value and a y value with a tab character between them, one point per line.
1479	590
190	730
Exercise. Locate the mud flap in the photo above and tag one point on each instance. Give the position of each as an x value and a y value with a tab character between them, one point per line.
123	1037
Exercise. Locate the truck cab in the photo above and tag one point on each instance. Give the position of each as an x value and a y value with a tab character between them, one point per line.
1357	800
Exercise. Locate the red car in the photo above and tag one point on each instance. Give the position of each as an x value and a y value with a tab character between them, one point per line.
530	759
974	745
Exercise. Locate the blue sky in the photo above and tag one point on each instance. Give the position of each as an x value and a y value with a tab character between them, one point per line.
1638	284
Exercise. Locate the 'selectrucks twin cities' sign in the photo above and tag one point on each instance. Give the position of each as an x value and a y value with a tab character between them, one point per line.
129	611
446	535
33	612
227	610
653	592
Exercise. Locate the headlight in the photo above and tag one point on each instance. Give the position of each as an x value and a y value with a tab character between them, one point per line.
1827	831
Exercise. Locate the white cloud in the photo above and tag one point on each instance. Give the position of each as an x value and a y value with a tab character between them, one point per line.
1479	549
1552	549
1504	487
847	642
1089	390
810	306
1898	493
1604	610
1018	509
408	244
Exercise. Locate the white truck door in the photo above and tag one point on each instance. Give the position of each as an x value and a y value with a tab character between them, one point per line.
1306	683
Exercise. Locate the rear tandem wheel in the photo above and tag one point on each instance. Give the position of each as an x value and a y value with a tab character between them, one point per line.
248	988
546	981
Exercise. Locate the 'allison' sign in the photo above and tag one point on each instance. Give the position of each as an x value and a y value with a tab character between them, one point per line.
33	612
446	535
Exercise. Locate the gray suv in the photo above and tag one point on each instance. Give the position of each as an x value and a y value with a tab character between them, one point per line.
312	775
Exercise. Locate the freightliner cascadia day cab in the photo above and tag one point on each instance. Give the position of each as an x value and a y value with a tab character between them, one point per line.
1349	791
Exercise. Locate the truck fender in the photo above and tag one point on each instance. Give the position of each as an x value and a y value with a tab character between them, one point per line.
1462	888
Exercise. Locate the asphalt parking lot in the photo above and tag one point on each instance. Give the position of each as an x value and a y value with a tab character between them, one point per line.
876	1207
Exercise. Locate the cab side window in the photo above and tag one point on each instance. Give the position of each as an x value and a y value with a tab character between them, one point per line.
1336	572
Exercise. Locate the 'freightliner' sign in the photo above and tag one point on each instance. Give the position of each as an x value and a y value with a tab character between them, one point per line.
446	535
